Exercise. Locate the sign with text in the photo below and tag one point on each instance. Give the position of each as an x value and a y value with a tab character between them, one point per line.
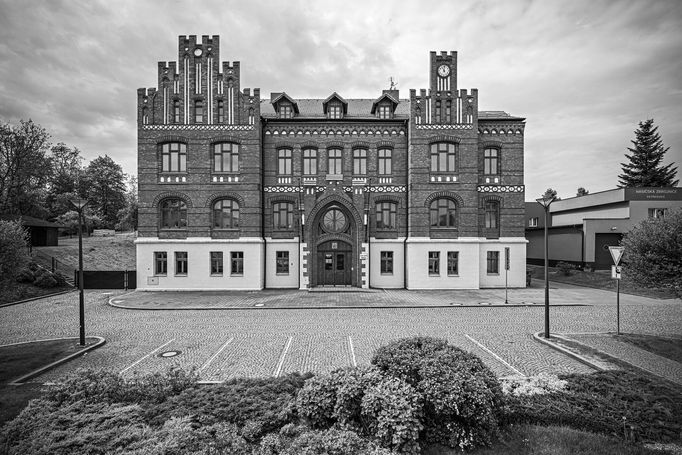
656	194
615	272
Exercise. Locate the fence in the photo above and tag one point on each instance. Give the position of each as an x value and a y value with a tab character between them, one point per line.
109	279
53	264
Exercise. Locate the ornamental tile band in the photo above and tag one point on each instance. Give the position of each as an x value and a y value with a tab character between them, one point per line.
457	126
501	188
199	127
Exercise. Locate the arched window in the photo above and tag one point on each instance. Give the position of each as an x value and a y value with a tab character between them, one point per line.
173	157
491	158
226	157
492	215
443	213
334	221
226	214
283	215
173	213
386	213
443	157
145	116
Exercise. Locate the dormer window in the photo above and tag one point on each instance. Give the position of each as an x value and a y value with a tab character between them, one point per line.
384	111
285	111
335	111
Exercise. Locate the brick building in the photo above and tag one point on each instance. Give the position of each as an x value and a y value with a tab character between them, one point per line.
239	192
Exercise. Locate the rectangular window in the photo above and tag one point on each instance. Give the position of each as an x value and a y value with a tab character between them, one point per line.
359	162
448	111
199	112
160	263
334	162
384	111
282	262
309	162
216	262
438	108
443	157
658	213
434	262
386	214
491	162
387	262
283	215
173	157
286	111
176	111
181	263
221	111
533	222
385	161
493	262
453	262
334	111
284	162
491	215
226	157
237	263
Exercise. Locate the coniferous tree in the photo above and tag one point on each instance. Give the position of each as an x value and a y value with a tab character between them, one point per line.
644	167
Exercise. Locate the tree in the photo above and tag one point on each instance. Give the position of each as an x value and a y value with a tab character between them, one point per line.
127	216
549	193
106	194
653	252
24	168
582	192
70	220
64	182
13	252
644	167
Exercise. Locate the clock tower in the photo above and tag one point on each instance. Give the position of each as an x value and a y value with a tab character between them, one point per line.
443	72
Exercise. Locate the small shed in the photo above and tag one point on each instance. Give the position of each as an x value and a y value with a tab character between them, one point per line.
41	232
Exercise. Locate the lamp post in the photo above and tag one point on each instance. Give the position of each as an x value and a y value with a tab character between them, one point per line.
80	204
545	202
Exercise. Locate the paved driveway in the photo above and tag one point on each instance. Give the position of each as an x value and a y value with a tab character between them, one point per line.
227	343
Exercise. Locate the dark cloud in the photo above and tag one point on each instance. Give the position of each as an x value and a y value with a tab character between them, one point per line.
584	73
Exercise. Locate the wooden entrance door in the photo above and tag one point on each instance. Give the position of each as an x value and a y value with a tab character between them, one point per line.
334	261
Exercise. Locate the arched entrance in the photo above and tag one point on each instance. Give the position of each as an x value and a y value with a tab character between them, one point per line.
334	263
334	238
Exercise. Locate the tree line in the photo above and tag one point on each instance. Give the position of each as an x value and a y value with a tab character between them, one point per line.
40	179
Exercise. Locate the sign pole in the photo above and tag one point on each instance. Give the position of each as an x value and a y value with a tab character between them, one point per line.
506	273
618	307
617	254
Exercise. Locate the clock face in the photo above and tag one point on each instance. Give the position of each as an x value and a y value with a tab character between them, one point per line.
197	52
443	70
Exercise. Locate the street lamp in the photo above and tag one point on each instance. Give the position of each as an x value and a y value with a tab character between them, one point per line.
80	204
545	202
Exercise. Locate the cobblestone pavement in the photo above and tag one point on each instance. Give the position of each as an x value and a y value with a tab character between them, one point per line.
228	343
638	357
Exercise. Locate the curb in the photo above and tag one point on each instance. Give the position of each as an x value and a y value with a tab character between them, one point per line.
52	365
565	351
2	305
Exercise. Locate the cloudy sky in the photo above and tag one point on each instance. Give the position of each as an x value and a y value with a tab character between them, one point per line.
583	73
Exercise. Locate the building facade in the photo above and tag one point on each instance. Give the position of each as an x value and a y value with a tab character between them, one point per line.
581	229
240	192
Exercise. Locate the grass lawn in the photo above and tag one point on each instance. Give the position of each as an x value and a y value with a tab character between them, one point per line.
600	279
13	291
99	253
670	348
20	359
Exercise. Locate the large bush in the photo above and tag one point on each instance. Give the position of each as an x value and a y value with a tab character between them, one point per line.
619	403
13	248
462	398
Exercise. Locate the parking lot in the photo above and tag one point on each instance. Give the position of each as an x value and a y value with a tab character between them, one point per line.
225	343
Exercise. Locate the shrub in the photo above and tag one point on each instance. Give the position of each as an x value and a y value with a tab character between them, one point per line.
45	280
619	403
13	253
541	384
566	267
25	275
306	442
256	405
462	399
60	279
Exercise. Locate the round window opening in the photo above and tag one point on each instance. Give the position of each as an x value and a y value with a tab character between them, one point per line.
334	221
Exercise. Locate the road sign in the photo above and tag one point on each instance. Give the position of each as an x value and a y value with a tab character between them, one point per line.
506	258
616	253
615	272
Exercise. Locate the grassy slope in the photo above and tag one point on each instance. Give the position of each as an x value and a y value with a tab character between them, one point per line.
99	253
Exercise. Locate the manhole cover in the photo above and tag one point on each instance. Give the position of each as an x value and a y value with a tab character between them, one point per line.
169	354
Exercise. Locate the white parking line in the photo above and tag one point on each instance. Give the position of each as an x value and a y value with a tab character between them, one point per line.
504	362
352	351
216	354
144	357
281	358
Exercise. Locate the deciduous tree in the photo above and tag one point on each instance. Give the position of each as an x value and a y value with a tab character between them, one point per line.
106	192
644	167
13	248
653	252
582	192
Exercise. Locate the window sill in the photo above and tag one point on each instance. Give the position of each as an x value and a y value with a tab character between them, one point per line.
386	273
236	274
216	274
160	274
181	274
493	274
282	274
453	274
434	274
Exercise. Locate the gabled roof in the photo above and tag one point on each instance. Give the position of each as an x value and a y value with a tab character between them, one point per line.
381	98
284	96
338	97
29	221
497	115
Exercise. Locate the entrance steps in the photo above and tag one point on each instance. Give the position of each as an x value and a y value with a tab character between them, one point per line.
342	289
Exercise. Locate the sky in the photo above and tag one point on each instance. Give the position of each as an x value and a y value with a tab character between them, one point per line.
582	73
